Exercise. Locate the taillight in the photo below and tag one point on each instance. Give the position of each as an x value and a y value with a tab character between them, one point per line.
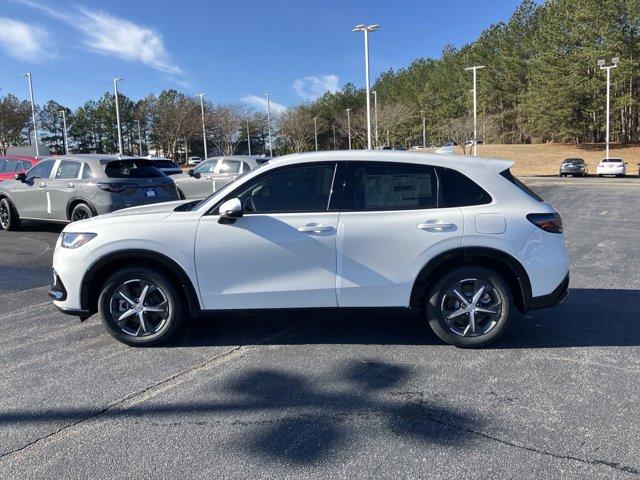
115	187
549	222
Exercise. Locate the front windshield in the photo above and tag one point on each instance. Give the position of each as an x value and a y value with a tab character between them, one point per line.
223	191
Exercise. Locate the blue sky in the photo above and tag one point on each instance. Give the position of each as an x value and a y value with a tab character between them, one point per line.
233	50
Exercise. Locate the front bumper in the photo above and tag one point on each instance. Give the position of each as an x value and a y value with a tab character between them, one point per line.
554	298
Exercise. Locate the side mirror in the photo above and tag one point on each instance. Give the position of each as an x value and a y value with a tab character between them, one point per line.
191	172
21	177
230	210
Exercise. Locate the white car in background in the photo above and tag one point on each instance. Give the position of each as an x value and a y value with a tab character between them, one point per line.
458	239
611	166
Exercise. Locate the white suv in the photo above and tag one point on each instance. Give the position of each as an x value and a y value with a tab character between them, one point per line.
457	238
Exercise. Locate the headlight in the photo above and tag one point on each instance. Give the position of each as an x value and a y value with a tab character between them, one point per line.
75	240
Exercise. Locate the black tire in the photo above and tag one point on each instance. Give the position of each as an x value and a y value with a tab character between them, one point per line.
130	330
495	325
81	211
9	218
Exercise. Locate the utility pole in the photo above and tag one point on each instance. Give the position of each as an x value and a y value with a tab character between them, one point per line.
424	131
115	89
139	138
366	29
64	131
603	66
349	125
315	129
33	113
474	69
204	130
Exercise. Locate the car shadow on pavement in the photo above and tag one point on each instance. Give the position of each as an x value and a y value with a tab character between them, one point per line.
588	317
301	419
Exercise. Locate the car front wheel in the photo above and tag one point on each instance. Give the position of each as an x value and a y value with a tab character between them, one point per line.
82	211
9	219
469	306
140	307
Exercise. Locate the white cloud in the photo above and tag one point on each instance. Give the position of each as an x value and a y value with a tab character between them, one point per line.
261	102
312	87
111	35
23	41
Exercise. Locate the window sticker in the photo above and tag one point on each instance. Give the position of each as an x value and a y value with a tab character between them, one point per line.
402	190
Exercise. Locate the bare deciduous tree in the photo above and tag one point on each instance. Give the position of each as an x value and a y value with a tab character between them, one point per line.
226	123
296	130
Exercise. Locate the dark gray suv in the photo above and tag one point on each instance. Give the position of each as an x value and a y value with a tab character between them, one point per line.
75	187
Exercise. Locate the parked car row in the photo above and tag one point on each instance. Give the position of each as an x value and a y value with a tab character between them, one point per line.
11	165
577	167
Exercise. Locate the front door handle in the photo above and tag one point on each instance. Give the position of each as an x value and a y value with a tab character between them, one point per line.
71	185
314	228
436	227
42	186
208	178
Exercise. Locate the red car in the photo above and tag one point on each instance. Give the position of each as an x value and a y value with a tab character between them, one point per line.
12	164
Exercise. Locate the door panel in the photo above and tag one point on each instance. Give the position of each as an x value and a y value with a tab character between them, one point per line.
61	189
381	253
283	260
30	197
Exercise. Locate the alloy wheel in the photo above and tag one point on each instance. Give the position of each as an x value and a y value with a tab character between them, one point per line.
80	214
140	308
4	215
471	307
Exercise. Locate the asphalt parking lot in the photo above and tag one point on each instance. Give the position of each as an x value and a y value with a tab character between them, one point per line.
357	397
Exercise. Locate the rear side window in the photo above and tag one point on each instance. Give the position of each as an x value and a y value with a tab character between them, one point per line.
68	169
246	167
509	176
459	191
131	169
390	186
26	165
12	165
41	170
3	165
230	166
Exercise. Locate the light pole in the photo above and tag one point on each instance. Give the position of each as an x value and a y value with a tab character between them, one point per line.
366	29
603	66
64	131
248	137
115	89
33	113
204	130
139	138
315	130
375	117
475	68
349	125
269	123
424	131
334	137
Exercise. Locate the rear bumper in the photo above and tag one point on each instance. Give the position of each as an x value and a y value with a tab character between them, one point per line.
554	298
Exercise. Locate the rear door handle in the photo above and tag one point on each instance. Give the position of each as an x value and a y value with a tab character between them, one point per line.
42	186
314	228
71	185
437	227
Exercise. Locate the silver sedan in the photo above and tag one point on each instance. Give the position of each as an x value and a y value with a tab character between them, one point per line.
214	173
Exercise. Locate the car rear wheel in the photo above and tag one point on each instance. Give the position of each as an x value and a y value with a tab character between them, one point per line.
469	307
9	219
81	211
140	307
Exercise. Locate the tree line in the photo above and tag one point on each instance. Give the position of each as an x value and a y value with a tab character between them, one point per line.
541	83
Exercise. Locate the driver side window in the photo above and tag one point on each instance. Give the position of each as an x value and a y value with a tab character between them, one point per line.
300	188
41	170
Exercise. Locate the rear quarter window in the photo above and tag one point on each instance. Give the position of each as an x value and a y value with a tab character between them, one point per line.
509	176
460	191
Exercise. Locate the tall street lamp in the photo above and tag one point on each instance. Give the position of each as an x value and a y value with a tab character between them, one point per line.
33	113
315	130
139	138
204	130
334	137
349	125
64	131
424	131
603	66
269	123
248	137
366	29
474	69
375	117
115	89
